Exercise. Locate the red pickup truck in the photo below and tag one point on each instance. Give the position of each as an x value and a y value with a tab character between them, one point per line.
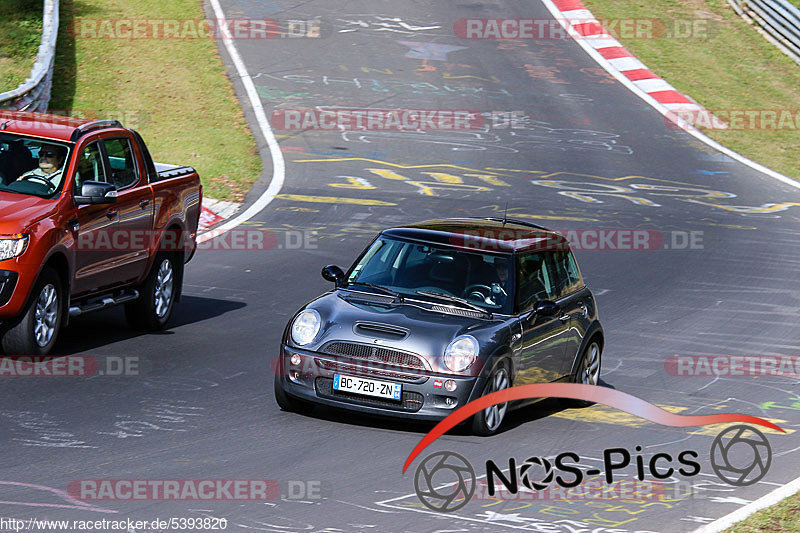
87	221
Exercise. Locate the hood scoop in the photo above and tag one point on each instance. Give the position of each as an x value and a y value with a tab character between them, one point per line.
380	331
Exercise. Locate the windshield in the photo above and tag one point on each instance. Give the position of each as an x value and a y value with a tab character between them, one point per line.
409	268
31	166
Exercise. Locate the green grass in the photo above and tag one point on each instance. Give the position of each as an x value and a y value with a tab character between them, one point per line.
175	92
783	517
20	35
731	67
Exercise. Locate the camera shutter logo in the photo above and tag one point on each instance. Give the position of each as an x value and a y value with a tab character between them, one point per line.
548	473
726	455
452	495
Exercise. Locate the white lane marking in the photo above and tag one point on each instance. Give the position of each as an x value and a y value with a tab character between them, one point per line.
278	164
740	514
607	65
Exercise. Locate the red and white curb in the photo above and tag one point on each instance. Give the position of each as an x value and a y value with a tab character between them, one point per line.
633	74
215	211
585	25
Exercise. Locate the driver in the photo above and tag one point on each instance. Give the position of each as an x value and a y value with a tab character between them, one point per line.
499	294
51	163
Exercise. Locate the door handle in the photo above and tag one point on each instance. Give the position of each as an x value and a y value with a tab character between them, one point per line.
111	214
144	203
564	318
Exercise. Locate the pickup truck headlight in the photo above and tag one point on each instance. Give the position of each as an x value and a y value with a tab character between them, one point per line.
305	327
461	353
12	245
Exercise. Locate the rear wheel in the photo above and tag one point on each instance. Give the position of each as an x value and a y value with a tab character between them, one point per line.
154	306
588	370
487	422
36	332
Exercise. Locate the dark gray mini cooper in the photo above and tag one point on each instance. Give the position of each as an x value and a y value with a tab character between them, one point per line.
433	315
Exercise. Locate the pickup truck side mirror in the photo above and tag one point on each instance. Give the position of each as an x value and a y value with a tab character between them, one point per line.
333	274
96	192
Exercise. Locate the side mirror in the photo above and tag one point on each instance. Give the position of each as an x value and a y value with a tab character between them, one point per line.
333	274
545	308
96	192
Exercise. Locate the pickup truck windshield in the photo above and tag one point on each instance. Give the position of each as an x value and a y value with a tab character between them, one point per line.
31	166
410	268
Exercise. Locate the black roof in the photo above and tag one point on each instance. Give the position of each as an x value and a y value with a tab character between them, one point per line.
485	234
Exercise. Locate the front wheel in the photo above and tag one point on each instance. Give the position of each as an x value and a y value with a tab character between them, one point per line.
154	306
487	422
588	370
36	332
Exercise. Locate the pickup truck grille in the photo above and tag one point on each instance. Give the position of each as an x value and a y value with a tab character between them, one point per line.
411	402
376	354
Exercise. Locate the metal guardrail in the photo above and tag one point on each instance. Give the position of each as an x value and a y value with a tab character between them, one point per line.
779	20
34	93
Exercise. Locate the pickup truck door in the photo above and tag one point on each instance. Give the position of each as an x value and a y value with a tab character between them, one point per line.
134	206
93	225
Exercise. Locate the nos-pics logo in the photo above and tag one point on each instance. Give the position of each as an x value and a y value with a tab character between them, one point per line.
445	481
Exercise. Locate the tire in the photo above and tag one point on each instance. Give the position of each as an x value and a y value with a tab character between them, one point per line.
37	331
290	403
588	370
488	421
157	295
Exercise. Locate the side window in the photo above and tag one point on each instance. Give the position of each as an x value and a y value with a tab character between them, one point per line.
120	159
90	167
534	280
567	273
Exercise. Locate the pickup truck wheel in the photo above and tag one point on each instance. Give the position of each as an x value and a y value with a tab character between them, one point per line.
36	332
154	306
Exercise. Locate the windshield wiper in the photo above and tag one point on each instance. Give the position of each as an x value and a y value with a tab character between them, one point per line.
378	288
455	299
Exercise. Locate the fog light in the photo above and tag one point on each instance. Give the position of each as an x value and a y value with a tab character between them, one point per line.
449	401
295	359
294	375
450	385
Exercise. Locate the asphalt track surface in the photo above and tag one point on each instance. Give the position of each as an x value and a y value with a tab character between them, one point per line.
202	406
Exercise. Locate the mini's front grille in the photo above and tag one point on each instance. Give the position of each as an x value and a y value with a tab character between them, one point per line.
411	402
373	353
370	371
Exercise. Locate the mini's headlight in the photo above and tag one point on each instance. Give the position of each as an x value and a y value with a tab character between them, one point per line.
12	245
461	353
305	327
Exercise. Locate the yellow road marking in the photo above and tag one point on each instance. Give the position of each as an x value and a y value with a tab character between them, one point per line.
766	208
388	174
331	199
715	429
352	183
380	162
444	178
609	415
491	180
427	188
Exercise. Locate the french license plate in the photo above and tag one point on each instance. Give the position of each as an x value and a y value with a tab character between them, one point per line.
367	387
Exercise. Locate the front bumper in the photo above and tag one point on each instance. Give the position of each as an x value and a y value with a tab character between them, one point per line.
424	396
